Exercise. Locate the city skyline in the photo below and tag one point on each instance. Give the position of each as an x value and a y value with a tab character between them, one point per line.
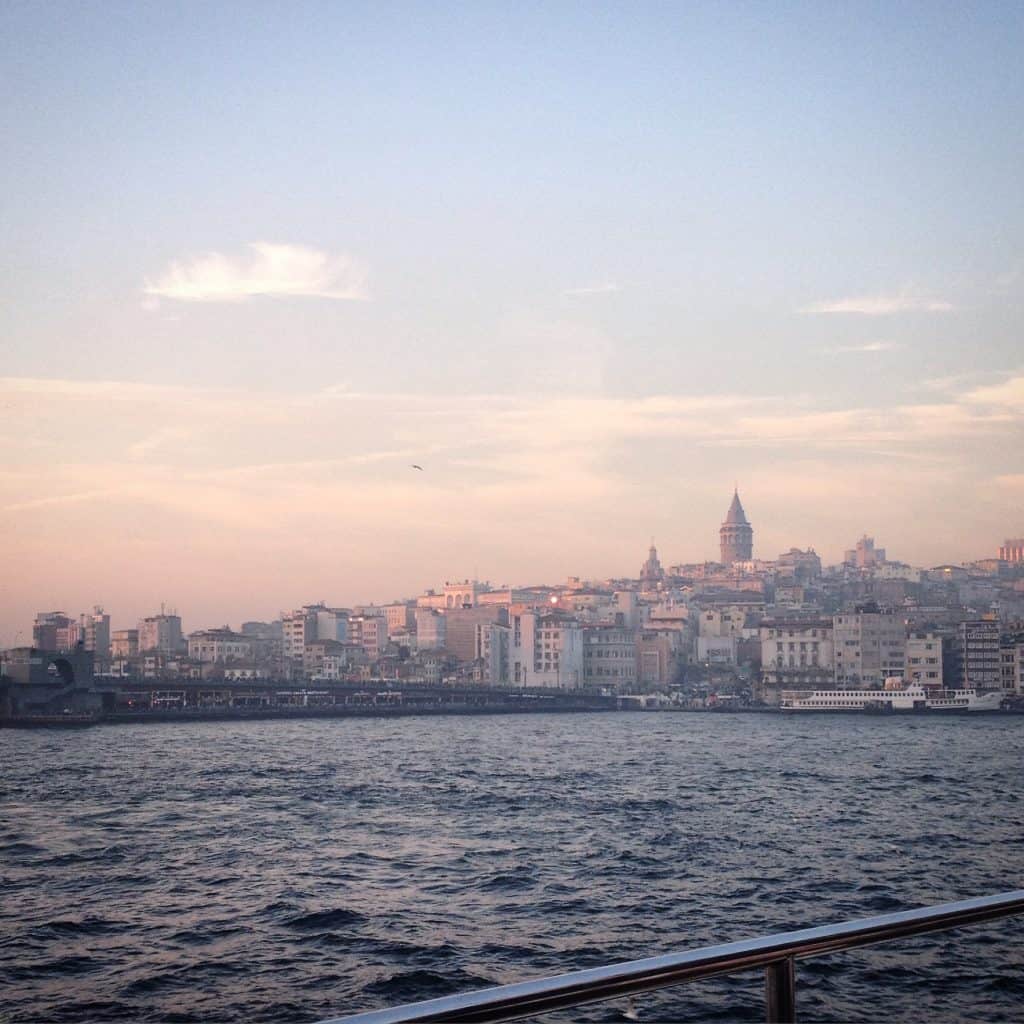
587	274
864	554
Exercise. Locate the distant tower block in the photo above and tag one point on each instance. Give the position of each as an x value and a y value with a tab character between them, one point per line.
736	537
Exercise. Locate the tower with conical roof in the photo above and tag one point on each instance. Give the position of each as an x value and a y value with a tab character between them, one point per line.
736	537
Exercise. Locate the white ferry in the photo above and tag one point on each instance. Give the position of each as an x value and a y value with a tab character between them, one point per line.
892	698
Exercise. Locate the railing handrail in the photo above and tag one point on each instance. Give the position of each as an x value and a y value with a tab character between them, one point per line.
776	953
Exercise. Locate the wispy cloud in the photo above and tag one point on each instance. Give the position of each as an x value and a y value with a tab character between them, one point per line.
145	446
1008	395
593	289
284	271
868	346
1007	282
907	300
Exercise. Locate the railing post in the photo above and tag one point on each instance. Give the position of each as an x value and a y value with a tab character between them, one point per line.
780	991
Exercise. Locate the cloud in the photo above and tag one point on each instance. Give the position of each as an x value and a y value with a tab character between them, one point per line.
1007	282
1008	394
907	300
282	271
158	439
593	289
870	346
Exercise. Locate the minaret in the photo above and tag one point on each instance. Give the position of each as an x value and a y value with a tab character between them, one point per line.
736	537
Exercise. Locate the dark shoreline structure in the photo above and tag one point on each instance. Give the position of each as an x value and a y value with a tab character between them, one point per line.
46	689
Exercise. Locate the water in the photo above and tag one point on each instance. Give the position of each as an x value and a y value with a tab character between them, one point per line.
288	871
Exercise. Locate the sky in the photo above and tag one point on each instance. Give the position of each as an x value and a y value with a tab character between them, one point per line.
590	265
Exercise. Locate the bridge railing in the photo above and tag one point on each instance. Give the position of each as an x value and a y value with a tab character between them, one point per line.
775	954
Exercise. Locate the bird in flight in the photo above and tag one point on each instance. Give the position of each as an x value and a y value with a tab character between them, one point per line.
414	466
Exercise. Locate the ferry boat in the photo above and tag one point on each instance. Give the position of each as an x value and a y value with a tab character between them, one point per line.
891	698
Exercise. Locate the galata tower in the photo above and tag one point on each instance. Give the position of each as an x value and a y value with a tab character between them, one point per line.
736	537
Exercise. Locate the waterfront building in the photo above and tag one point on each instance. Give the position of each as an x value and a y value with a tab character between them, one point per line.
161	633
609	656
1011	663
924	659
870	646
978	660
736	535
1012	551
546	648
657	655
796	654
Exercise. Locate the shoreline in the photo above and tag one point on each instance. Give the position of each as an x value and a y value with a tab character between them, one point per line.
300	714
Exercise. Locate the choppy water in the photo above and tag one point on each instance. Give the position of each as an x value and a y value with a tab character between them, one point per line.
288	871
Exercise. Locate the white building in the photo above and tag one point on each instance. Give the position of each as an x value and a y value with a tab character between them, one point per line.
546	649
870	646
299	628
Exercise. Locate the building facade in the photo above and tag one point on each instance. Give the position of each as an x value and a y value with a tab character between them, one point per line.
546	649
870	646
213	646
978	657
162	634
924	660
796	654
609	656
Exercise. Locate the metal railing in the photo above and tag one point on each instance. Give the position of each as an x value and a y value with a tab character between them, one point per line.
776	954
